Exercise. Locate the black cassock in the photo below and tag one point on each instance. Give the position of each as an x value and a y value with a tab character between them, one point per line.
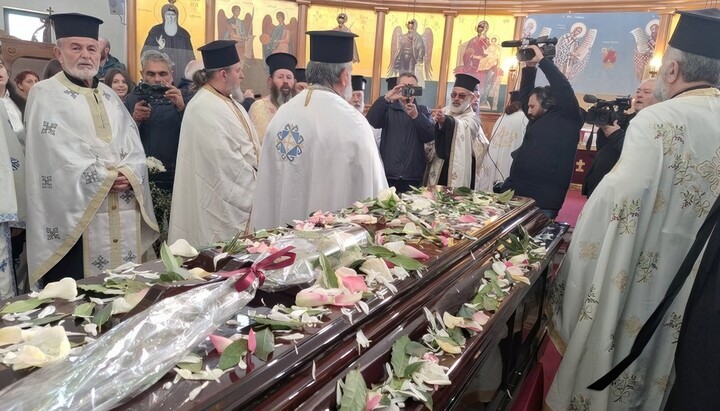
178	47
443	149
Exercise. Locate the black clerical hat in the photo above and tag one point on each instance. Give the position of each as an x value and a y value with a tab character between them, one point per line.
278	61
331	46
75	25
693	33
466	81
219	54
300	75
391	82
358	83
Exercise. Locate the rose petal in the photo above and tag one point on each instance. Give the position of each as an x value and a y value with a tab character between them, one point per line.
467	219
182	248
252	342
354	283
65	288
346	299
220	343
313	297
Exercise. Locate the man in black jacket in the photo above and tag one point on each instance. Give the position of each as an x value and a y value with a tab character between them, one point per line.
406	127
543	165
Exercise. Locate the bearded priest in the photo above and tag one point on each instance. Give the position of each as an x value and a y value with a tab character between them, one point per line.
282	88
459	139
218	154
89	207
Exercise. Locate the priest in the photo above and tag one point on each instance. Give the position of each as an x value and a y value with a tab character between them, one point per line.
9	211
281	83
217	156
320	153
631	239
459	139
358	92
88	200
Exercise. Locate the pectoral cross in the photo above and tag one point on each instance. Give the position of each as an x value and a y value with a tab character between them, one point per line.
49	10
580	166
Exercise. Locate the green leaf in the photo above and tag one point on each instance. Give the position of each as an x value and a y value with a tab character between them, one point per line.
193	367
464	191
49	319
354	396
407	263
399	359
171	264
505	197
127	286
170	277
102	315
261	234
277	324
412	368
457	335
415	349
100	289
23	305
428	401
265	343
466	312
233	354
490	304
379	251
331	280
84	310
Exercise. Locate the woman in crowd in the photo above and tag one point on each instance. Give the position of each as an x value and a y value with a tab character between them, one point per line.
119	81
11	100
24	82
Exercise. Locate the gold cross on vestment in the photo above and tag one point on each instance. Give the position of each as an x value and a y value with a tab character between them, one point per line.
580	166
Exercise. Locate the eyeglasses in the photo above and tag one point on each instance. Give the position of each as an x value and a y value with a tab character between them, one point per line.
461	96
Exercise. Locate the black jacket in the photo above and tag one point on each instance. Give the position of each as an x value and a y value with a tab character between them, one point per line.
402	143
609	149
543	164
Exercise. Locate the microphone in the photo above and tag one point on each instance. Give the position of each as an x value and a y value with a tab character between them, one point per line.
589	98
512	43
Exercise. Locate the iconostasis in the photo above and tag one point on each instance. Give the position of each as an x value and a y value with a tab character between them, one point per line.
617	49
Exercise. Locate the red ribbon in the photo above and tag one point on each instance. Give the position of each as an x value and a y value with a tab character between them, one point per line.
285	257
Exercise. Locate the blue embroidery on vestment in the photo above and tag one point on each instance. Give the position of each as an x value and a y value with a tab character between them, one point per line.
289	143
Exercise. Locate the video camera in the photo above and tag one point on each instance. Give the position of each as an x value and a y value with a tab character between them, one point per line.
152	93
546	44
411	91
606	112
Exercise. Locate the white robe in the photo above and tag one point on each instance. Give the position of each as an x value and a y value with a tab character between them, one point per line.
506	137
215	170
261	112
319	154
468	140
8	207
630	240
78	140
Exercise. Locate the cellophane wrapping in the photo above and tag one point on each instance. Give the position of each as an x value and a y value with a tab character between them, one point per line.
336	243
131	356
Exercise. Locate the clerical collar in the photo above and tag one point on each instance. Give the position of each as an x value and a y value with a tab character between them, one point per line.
702	86
81	83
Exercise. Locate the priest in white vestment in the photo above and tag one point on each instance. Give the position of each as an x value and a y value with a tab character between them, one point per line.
282	88
217	157
460	143
8	208
506	137
88	200
319	151
634	233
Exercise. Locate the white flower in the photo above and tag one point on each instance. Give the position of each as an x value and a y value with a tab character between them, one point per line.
154	165
10	335
45	347
182	248
65	288
388	194
362	340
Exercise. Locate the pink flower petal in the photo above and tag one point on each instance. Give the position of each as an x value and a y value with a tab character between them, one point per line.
379	238
412	252
480	318
219	342
313	297
445	240
389	264
467	219
354	283
430	357
347	299
252	342
257	248
372	401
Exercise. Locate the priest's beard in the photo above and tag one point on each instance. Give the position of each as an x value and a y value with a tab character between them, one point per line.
171	27
661	88
279	96
238	95
460	109
347	92
83	73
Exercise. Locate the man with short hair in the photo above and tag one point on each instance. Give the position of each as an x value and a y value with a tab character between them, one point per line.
358	93
218	154
158	116
172	39
610	138
459	139
406	127
107	61
319	153
89	206
281	83
543	165
631	239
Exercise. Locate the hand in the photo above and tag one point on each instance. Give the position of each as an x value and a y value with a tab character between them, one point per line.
395	94
160	42
121	184
249	93
141	112
611	128
411	110
439	116
538	56
175	96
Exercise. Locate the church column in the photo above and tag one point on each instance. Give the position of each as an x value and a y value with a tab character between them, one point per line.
514	69
131	58
302	28
519	23
663	35
377	57
209	22
445	57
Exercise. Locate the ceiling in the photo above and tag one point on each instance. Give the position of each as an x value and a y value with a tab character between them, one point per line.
522	7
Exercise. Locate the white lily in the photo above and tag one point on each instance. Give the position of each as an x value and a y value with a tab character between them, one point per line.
47	346
65	288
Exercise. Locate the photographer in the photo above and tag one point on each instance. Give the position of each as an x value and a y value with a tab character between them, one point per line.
406	127
543	165
610	139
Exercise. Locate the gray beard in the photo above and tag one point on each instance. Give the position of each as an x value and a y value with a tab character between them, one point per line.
171	28
347	93
661	90
85	75
458	110
278	97
238	95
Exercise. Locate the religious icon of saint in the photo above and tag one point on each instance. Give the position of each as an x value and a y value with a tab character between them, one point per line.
479	57
238	29
573	50
644	46
278	38
411	52
170	38
342	18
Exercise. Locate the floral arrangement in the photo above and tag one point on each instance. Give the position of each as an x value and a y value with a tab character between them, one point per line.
161	197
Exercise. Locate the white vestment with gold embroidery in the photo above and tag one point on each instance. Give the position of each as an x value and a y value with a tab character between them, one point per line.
261	112
215	170
77	141
319	154
8	206
506	137
630	240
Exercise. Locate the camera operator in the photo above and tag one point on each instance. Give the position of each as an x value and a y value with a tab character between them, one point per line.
610	138
406	127
543	165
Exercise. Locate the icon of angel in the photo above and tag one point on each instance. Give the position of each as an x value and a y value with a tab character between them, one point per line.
411	52
278	38
238	29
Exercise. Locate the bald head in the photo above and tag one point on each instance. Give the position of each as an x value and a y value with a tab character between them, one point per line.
644	95
104	46
192	67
